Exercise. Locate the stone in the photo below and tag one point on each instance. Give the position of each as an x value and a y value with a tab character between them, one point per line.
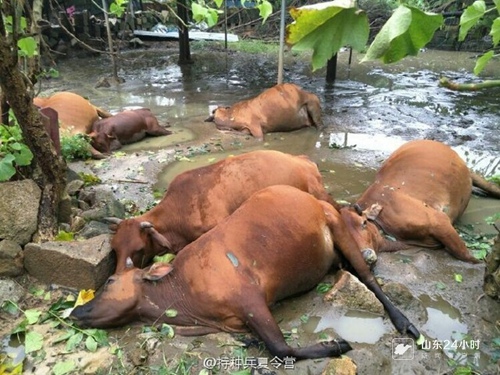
351	293
19	210
340	366
11	259
76	264
93	228
73	187
103	204
10	290
491	284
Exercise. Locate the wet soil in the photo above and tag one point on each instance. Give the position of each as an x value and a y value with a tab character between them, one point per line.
368	112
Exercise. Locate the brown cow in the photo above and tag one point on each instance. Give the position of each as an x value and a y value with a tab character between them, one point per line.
418	193
284	107
197	200
76	114
129	126
279	243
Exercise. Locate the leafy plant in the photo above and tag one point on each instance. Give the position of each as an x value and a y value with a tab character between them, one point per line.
75	147
89	179
13	152
205	13
117	7
323	288
64	236
74	337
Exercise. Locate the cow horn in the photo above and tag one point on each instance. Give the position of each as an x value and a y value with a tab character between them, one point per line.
146	224
113	220
129	263
357	208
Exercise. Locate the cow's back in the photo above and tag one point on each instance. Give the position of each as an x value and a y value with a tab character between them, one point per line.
75	113
428	171
202	197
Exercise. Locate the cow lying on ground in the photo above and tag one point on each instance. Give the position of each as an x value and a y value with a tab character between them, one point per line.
418	193
197	200
76	114
126	127
284	107
280	242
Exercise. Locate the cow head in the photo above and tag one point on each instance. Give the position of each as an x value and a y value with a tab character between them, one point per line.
120	300
363	230
138	240
101	141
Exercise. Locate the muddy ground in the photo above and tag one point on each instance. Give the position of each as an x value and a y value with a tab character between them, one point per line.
369	111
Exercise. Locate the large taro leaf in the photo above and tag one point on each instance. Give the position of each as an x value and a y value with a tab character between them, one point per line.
405	33
325	28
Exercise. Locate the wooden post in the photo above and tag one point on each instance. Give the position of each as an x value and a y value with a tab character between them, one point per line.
184	51
331	69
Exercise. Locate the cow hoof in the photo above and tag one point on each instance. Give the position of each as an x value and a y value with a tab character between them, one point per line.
370	257
340	346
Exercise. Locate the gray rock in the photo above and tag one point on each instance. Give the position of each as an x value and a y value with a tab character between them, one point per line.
73	187
19	210
103	204
349	292
77	264
10	290
11	259
94	228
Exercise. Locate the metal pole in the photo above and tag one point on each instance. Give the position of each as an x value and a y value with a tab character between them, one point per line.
282	42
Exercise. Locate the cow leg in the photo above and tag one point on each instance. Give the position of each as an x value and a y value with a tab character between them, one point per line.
262	323
442	230
345	243
154	129
314	112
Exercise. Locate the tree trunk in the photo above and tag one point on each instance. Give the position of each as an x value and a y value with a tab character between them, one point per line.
184	50
51	168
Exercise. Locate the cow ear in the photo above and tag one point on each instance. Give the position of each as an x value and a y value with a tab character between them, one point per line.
92	135
157	271
372	212
159	238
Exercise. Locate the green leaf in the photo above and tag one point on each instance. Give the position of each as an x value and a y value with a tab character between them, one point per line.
10	307
265	9
33	341
28	46
7	170
472	14
323	288
219	3
91	344
199	12
458	278
211	17
340	20
495	31
405	33
99	335
32	315
167	331
171	313
24	156
64	367
440	285
74	341
66	335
